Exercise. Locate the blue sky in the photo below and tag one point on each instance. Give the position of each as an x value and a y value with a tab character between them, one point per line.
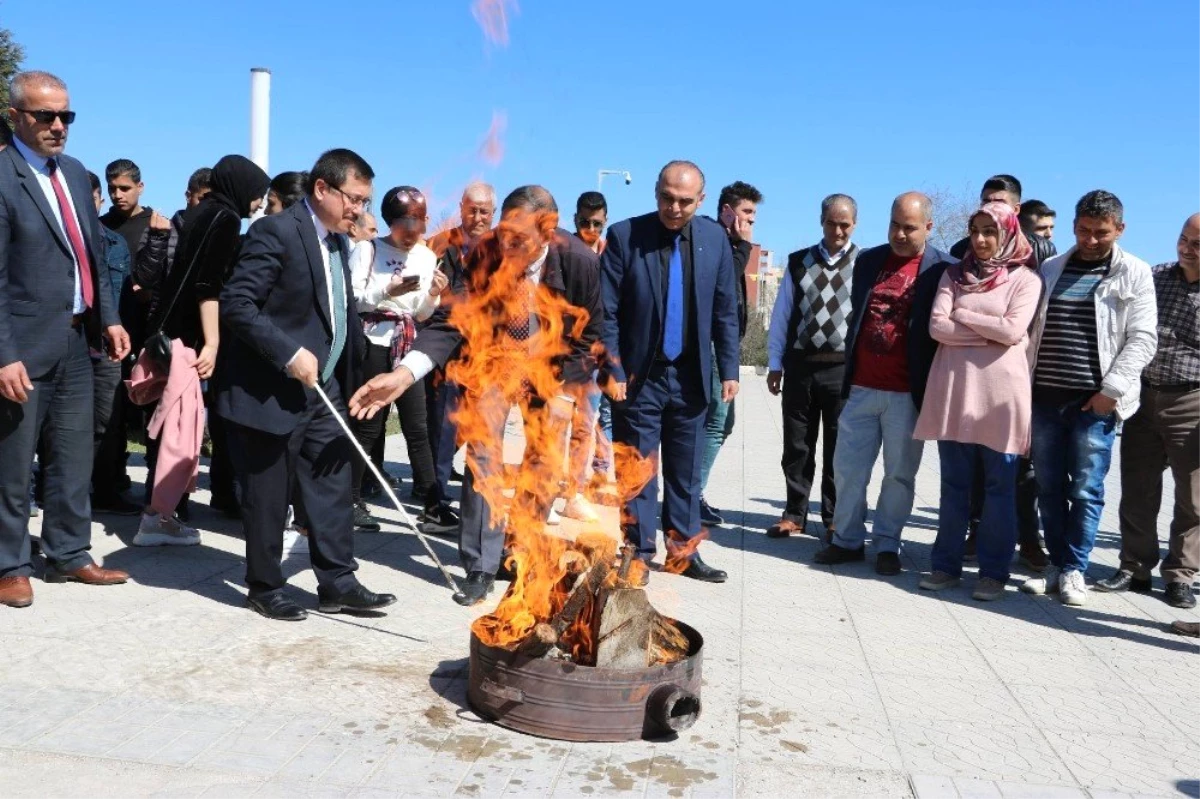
800	99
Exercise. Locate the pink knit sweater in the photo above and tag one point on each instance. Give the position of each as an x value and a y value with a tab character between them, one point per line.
979	389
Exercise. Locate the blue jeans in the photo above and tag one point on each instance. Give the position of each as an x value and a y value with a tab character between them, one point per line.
718	424
1072	450
870	419
998	523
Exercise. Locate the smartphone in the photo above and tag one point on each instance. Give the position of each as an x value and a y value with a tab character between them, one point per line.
728	215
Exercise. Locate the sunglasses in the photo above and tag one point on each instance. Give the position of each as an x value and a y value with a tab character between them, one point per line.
48	117
591	223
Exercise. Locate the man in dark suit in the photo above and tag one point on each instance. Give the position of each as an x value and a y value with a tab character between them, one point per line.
888	355
669	298
288	305
54	304
527	256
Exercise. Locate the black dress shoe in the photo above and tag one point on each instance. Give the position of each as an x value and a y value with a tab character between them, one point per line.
456	476
709	514
357	599
833	554
504	573
116	505
278	607
887	564
227	506
1180	595
475	588
363	520
699	570
1123	580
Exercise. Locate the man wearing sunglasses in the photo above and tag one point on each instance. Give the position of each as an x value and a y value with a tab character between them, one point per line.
55	304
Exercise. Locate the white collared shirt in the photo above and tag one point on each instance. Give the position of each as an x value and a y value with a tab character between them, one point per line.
322	232
837	256
41	167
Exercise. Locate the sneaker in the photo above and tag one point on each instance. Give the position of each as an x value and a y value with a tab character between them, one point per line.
1044	583
579	508
439	520
1033	558
988	589
156	530
1072	590
939	581
553	517
363	520
294	542
709	514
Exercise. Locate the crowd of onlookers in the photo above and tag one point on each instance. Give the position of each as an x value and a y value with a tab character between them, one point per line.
1023	365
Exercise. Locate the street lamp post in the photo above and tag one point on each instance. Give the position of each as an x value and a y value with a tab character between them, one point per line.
600	173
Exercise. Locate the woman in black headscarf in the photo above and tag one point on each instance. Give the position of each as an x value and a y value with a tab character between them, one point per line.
184	307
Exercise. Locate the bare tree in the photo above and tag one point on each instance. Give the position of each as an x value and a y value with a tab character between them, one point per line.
11	56
951	212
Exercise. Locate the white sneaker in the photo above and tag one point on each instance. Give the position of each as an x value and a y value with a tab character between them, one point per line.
294	543
1043	583
156	530
1072	589
579	508
553	517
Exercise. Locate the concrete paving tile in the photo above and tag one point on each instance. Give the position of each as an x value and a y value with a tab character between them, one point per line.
976	789
979	749
934	787
1126	762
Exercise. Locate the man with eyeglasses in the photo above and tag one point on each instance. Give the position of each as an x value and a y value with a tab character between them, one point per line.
1165	432
670	299
289	306
55	304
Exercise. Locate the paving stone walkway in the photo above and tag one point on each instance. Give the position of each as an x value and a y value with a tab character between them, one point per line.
817	682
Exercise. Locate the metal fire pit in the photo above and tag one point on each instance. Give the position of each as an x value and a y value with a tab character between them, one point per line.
563	700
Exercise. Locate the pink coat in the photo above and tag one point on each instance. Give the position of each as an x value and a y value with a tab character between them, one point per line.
177	423
979	389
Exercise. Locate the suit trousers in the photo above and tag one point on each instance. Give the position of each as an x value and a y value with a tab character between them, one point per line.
317	457
812	402
441	399
1165	432
60	411
480	539
668	413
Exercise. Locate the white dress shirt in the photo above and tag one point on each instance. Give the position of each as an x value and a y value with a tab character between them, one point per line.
322	232
40	166
372	264
781	312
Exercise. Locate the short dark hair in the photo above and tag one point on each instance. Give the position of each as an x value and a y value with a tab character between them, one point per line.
289	187
201	179
1002	183
123	166
738	191
393	206
529	198
1035	209
590	202
833	199
1100	204
94	179
335	167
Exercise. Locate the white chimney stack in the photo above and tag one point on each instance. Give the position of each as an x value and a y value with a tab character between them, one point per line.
260	116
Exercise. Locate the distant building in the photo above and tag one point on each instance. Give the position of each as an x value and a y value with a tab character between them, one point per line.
760	265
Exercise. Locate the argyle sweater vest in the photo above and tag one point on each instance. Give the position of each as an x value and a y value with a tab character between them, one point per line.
821	301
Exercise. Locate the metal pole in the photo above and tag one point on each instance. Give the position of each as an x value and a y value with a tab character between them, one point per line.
260	117
387	488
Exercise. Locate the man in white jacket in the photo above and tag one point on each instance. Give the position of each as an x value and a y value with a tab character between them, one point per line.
1094	334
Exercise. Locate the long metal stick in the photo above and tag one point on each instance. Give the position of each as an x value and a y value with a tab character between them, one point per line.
387	488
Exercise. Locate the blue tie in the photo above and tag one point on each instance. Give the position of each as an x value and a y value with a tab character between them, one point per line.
337	311
673	328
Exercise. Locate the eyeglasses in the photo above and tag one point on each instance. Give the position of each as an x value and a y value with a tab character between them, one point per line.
48	117
353	199
591	223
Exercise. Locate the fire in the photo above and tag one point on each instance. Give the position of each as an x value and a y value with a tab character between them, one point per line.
680	550
492	16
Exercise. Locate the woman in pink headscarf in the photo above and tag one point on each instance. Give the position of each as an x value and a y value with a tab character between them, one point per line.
977	400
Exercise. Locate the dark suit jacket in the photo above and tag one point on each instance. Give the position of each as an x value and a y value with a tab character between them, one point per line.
571	271
921	345
631	278
274	303
37	272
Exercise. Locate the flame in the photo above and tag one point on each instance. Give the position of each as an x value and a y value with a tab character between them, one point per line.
492	16
491	150
680	550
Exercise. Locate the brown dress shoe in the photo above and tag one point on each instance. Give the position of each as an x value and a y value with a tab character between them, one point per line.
16	592
1189	628
90	574
783	528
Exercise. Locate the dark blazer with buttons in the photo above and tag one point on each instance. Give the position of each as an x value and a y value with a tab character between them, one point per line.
274	303
37	271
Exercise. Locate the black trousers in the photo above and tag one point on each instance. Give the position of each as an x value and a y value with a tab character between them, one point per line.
220	471
812	402
1026	498
60	412
108	429
411	409
317	457
441	398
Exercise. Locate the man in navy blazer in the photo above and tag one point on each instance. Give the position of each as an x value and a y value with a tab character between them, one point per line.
888	356
289	306
54	304
669	298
